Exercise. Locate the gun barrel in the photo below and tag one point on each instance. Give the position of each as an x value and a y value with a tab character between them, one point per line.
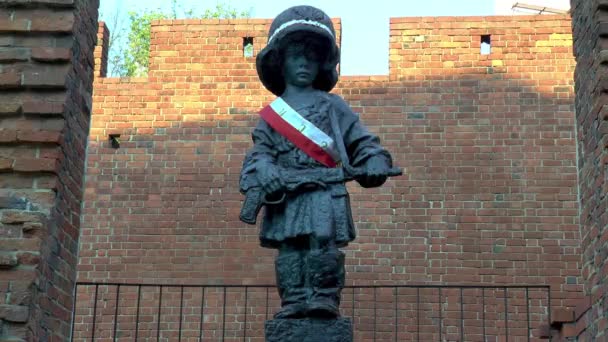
394	171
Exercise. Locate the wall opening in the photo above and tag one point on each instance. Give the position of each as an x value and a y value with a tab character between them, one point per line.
247	47
114	140
486	44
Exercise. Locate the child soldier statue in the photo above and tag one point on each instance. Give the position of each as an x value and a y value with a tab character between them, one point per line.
307	145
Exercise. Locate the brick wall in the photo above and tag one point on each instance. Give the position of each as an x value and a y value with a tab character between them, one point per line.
487	143
46	69
102	50
589	320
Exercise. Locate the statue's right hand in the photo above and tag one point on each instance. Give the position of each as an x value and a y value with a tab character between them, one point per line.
270	179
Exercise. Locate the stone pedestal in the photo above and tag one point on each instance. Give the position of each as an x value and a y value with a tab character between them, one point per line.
309	330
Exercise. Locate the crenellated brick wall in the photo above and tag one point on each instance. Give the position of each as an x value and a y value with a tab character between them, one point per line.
46	75
489	194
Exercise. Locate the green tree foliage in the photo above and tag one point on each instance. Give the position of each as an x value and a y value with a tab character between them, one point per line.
130	56
136	56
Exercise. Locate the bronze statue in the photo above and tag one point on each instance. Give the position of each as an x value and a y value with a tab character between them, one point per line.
307	145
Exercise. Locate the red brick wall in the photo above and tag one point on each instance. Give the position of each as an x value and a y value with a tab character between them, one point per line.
102	50
590	30
46	69
487	143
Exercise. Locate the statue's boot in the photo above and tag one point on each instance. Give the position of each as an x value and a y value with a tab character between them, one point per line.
290	282
325	272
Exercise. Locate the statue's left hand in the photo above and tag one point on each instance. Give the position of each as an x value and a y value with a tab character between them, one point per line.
376	169
270	178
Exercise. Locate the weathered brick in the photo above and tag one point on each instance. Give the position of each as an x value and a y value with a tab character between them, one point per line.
50	54
7	41
10	80
13	331
10	201
39	136
49	77
21	216
18	292
29	227
35	41
35	165
562	315
28	258
51	21
15	181
14	313
9	108
8	260
8	135
42	108
8	25
6	164
55	3
570	331
14	54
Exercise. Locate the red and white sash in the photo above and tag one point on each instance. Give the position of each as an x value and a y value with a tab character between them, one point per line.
301	132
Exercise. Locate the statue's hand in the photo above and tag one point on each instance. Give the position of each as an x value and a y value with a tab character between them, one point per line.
270	179
376	172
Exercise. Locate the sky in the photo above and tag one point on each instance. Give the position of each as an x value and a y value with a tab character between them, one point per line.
365	24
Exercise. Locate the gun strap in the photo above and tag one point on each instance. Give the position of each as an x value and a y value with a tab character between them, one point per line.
335	127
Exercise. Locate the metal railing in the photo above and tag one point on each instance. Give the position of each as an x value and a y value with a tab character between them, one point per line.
154	312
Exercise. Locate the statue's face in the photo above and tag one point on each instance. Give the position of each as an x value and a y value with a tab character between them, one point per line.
301	66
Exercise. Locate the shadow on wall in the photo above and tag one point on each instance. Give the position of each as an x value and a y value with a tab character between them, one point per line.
490	178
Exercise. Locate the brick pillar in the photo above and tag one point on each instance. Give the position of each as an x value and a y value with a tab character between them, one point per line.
590	29
101	50
46	73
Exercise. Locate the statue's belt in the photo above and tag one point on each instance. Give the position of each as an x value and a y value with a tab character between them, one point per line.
301	132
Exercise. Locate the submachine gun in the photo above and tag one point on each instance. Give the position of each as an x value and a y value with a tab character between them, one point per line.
295	180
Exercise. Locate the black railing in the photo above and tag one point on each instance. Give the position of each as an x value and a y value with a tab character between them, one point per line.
153	312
